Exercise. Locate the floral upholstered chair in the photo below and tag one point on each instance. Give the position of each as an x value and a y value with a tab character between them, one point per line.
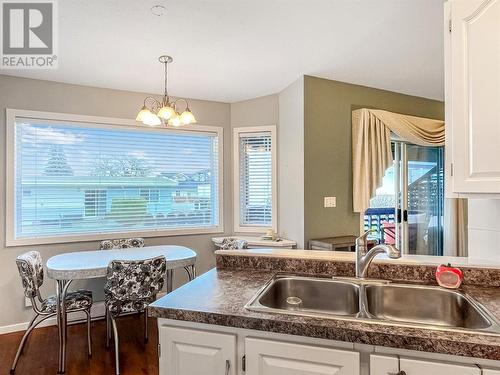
122	243
31	271
130	287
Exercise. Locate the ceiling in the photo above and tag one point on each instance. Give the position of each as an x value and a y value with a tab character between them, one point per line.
232	50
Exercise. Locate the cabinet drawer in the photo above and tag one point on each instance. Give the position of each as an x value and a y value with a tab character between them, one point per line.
267	357
385	364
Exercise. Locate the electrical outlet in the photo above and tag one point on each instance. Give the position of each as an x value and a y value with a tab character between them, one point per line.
330	202
27	302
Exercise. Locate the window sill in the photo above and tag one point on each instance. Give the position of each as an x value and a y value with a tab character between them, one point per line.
12	242
253	229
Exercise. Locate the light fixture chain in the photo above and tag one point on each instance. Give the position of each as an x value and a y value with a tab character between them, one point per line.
166	80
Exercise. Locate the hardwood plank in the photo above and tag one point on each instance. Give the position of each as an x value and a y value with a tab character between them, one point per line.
40	352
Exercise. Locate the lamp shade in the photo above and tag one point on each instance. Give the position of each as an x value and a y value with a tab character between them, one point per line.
143	113
187	117
175	121
166	112
151	119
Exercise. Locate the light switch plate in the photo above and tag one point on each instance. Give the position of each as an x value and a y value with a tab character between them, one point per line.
330	202
27	302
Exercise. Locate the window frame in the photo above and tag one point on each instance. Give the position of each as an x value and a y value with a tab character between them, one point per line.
402	233
238	227
109	123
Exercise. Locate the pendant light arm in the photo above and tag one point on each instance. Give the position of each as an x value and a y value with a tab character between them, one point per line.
186	117
154	104
183	100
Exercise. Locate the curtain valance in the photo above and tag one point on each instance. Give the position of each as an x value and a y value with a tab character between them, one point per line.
371	146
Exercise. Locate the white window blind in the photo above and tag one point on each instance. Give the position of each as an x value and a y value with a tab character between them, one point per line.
83	179
256	179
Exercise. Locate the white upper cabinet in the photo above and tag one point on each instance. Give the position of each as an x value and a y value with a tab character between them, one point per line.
473	96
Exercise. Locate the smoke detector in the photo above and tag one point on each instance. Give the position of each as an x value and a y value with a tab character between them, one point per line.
158	10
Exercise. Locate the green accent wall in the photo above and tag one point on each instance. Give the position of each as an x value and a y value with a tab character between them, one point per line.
327	148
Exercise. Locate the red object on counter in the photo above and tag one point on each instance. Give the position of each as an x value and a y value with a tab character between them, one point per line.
448	276
389	233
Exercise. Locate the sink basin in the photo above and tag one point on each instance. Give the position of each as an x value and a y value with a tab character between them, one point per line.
425	305
304	295
384	302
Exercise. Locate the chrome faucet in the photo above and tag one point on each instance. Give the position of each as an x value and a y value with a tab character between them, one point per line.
364	257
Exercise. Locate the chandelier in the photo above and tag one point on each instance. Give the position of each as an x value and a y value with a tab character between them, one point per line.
155	112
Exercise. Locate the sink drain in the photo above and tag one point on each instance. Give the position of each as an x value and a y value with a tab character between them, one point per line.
294	301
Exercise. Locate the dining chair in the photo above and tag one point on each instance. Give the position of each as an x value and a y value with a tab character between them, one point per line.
130	287
122	243
31	271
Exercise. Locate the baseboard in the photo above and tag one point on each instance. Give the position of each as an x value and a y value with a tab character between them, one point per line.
97	312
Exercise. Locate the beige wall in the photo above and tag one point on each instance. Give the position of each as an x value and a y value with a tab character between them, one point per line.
327	147
262	111
291	163
29	94
255	112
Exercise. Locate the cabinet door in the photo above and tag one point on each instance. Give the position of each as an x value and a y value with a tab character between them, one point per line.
475	95
384	365
265	357
193	352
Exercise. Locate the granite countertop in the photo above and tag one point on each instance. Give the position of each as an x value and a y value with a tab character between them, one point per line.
258	241
218	297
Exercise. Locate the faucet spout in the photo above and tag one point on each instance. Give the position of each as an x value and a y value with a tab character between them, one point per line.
363	260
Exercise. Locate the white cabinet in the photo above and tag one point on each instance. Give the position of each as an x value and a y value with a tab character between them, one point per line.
384	365
195	352
473	96
266	357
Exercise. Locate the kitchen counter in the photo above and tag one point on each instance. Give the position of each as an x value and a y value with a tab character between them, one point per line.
258	242
218	297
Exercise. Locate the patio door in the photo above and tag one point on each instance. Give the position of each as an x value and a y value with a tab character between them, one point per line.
407	210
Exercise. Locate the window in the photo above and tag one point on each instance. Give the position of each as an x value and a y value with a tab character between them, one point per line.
255	179
151	195
94	178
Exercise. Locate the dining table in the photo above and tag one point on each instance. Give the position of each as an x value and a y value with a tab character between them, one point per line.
80	265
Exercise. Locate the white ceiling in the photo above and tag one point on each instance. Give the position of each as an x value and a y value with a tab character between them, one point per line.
231	50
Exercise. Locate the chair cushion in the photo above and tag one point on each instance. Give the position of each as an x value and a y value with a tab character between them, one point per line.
79	299
117	307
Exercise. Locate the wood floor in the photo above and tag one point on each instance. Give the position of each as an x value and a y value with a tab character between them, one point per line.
40	352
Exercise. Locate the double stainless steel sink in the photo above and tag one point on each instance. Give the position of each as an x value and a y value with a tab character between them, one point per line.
374	300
